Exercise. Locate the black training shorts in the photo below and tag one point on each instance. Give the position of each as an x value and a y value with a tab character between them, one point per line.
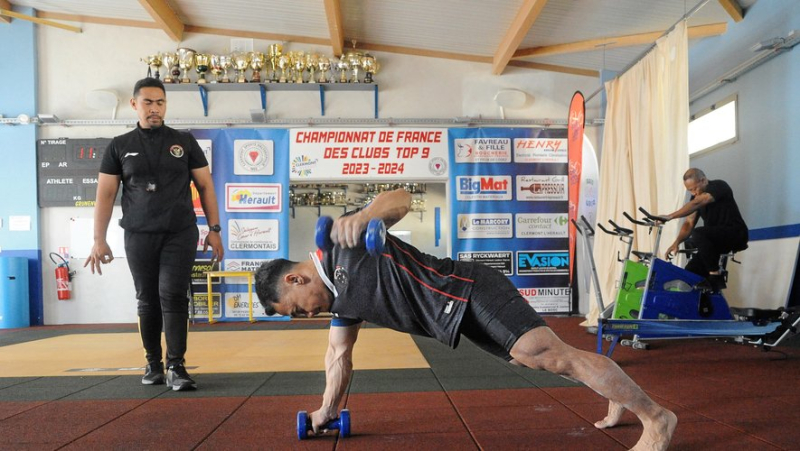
497	315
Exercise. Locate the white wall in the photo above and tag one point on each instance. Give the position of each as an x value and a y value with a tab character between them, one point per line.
762	165
107	57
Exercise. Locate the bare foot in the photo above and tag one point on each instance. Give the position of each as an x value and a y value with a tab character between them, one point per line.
615	411
658	433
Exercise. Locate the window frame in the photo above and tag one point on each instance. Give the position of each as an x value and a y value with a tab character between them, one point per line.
733	98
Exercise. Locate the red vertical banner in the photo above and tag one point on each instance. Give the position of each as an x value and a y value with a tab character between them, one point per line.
575	156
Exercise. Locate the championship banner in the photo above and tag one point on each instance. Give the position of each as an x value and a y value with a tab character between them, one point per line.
575	147
360	154
509	208
251	177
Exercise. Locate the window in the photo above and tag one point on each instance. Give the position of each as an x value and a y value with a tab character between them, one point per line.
713	127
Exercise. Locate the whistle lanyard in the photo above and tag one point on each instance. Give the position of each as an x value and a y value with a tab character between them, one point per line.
152	179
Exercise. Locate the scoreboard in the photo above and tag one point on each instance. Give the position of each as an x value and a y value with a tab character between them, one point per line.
67	171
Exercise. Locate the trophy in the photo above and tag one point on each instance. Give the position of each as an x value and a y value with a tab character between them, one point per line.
227	62
324	64
284	62
275	51
241	60
185	62
371	67
299	64
153	64
257	60
354	61
342	66
170	60
216	68
312	60
201	61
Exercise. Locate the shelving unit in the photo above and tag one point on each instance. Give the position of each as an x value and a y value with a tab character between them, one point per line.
319	191
322	88
417	191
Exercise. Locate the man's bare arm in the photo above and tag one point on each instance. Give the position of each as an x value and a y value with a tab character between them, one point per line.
208	199
338	369
699	201
107	187
389	206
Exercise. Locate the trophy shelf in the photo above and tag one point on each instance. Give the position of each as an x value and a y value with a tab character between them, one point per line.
204	88
318	196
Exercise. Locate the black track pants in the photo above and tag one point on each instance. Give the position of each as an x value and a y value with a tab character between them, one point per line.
711	242
161	265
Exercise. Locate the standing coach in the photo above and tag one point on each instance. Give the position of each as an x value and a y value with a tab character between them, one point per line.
156	164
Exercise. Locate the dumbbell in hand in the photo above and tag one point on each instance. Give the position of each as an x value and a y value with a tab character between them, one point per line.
342	424
374	237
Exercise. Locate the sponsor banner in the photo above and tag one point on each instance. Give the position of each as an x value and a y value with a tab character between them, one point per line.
548	300
253	197
368	154
542	225
203	233
253	216
483	150
205	146
241	264
237	305
253	234
200	305
483	187
253	157
541	187
540	150
199	270
502	261
576	122
485	225
537	263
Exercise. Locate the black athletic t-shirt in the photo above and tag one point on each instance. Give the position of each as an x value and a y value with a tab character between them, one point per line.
163	157
723	211
402	289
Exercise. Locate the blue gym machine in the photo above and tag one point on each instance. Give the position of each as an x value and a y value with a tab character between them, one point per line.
676	304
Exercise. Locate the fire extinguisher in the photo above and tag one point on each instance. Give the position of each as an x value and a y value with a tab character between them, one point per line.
63	277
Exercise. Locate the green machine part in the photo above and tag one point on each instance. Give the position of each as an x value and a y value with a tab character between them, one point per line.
629	297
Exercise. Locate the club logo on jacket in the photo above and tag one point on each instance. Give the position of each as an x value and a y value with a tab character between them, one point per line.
340	276
176	151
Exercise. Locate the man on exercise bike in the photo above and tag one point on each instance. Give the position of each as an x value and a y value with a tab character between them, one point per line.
723	228
409	291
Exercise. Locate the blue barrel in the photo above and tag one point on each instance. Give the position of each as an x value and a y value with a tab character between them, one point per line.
14	305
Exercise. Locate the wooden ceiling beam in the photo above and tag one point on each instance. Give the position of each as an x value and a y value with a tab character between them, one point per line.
4	4
165	17
97	20
424	52
468	57
333	12
733	8
526	16
554	68
699	31
38	20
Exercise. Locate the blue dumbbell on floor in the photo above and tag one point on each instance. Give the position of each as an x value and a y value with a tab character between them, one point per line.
374	236
342	424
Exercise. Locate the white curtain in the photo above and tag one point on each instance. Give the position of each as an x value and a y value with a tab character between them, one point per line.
645	153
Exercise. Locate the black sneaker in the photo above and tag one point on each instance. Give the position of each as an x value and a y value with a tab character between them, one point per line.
154	374
179	379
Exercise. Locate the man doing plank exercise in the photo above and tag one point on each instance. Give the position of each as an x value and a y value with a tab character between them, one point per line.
409	291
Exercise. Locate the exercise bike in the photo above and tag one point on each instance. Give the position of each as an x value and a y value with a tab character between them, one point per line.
675	303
